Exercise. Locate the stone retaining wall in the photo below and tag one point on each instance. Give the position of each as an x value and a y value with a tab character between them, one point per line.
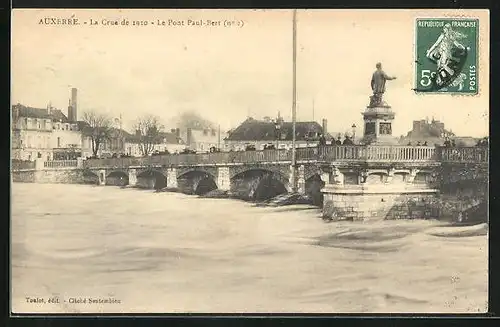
57	176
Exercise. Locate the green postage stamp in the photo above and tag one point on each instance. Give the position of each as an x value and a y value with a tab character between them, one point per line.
446	59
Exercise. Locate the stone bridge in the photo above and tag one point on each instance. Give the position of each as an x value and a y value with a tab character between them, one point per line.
319	171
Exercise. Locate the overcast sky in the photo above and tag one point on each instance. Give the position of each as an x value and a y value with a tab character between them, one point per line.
228	73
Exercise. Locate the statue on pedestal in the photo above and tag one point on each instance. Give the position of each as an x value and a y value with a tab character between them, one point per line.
379	78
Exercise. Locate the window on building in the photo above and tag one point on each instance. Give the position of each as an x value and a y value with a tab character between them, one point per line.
205	132
213	132
58	142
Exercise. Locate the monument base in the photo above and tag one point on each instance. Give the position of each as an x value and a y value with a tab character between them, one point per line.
378	125
379	202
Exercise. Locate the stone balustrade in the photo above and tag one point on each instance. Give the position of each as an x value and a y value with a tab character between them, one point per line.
354	153
60	164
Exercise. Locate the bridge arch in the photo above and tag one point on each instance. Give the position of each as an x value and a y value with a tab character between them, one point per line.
117	177
197	181
259	183
151	179
90	177
313	186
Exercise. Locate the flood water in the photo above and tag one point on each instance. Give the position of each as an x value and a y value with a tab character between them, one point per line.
169	252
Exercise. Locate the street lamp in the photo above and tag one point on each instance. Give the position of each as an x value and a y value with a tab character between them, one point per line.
120	144
277	126
353	132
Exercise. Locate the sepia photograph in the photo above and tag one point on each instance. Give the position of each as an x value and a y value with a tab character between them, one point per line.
249	161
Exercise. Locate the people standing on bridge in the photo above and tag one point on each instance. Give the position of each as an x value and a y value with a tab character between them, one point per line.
425	143
447	142
347	140
322	140
339	141
453	144
418	143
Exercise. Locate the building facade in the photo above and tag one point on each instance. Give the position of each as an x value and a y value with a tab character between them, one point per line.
166	142
201	139
43	133
261	133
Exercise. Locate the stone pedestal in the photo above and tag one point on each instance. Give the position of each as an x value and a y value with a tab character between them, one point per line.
378	119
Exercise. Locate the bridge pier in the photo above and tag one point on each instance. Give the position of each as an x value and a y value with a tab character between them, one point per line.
132	177
172	178
301	181
223	179
102	177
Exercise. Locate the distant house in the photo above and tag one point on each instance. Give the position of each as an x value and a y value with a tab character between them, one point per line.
201	138
260	133
434	133
166	141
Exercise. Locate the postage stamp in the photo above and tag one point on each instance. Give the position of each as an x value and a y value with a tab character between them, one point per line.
446	59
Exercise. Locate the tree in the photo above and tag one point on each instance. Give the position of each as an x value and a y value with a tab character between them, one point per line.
97	127
148	129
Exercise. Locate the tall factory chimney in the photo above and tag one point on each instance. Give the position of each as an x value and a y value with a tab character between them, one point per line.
70	111
74	112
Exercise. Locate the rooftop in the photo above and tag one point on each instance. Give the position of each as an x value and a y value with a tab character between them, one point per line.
263	130
40	113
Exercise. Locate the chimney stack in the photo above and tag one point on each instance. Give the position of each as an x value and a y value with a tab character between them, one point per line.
74	113
70	111
325	126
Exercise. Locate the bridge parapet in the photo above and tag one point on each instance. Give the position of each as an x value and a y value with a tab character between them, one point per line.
464	154
354	153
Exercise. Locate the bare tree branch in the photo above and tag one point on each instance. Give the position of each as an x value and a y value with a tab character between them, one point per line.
98	128
148	129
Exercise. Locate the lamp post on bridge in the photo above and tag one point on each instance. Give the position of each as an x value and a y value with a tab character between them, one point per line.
120	144
277	127
294	100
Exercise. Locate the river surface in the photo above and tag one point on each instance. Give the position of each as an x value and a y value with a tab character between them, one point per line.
169	252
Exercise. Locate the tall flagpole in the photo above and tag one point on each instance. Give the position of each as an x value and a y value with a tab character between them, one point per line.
294	103
313	110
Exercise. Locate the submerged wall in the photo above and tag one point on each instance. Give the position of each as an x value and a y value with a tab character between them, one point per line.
61	176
